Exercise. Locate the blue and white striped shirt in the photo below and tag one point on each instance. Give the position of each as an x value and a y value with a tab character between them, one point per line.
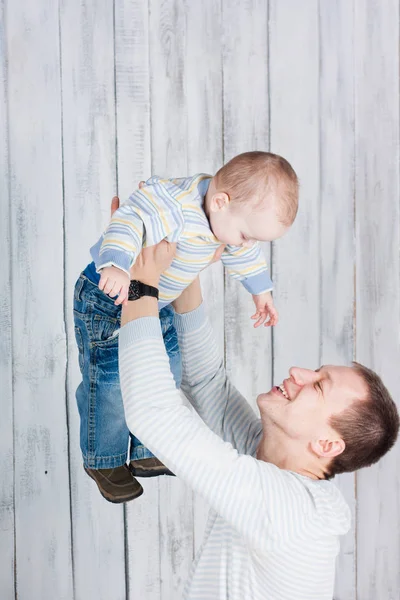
272	534
172	209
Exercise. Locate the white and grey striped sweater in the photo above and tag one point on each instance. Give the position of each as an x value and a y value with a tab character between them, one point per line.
272	534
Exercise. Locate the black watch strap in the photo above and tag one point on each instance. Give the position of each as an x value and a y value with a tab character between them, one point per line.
137	290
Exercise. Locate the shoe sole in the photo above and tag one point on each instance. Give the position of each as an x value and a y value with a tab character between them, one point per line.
111	498
150	473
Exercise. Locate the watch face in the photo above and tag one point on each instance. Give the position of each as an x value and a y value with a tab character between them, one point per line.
134	290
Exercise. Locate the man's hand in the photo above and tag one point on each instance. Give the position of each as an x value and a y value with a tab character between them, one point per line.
114	205
114	282
265	308
152	261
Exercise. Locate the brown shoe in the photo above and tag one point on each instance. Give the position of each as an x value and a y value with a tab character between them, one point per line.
148	467
116	485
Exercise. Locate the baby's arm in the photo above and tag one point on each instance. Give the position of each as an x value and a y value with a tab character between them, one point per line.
249	266
266	312
149	216
122	243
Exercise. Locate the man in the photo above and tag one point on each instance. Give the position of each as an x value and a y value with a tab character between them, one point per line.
274	531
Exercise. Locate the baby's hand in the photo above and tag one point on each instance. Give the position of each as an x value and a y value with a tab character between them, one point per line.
115	282
265	308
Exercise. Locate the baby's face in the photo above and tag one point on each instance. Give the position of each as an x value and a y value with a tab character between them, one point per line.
244	224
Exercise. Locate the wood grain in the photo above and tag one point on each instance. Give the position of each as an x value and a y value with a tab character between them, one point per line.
95	97
169	135
87	48
134	164
246	127
42	506
294	75
337	249
377	278
6	357
204	107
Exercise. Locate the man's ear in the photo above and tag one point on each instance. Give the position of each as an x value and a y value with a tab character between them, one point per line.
219	201
328	448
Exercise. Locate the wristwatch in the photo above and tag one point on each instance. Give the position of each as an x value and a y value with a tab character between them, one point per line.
137	290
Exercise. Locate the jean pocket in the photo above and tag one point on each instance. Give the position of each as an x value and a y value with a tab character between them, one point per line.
104	329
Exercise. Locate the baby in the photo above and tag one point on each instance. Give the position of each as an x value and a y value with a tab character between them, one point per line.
253	198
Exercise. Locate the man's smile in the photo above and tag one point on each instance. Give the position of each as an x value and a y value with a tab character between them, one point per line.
281	389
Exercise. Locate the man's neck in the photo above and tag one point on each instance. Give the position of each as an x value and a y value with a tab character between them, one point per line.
290	455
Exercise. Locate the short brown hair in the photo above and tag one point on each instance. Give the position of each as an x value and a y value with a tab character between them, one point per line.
261	170
369	427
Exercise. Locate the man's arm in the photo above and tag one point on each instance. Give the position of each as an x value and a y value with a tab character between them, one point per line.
249	266
204	379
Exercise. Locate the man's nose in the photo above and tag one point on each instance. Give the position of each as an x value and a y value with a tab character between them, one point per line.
301	376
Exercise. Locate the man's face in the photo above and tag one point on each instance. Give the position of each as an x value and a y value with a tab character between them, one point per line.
303	404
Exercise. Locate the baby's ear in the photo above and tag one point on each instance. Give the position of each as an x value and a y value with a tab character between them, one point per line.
219	201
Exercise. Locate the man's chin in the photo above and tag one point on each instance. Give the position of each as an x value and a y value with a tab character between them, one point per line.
267	396
264	399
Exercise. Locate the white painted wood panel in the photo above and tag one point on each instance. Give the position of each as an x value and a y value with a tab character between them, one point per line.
6	363
203	91
337	249
246	127
94	98
377	278
42	509
169	147
134	164
87	49
294	75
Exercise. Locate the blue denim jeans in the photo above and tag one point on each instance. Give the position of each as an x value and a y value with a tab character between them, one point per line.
104	435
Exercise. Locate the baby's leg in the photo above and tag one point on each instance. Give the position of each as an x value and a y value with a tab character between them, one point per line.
104	436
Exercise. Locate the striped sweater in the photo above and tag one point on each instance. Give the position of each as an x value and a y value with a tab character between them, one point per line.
172	209
272	534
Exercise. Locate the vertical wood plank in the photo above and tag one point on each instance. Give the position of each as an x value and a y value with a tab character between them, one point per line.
294	73
337	254
87	49
169	135
6	422
377	278
246	127
134	164
42	506
203	87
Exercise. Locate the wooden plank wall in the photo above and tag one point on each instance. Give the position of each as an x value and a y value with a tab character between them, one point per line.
95	96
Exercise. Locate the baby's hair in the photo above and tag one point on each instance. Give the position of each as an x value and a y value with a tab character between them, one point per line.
261	173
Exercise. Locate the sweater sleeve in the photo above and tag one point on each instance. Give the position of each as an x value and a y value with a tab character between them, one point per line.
265	504
123	239
249	266
207	386
150	215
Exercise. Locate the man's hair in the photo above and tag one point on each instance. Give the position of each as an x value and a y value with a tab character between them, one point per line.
369	427
261	173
